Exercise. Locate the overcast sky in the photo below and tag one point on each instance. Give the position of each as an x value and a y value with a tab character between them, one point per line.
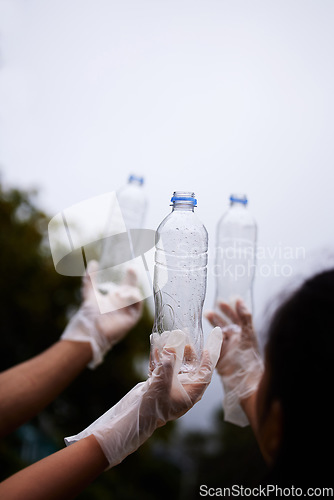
213	96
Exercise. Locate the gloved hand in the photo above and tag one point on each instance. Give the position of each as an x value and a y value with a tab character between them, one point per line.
166	395
240	365
104	330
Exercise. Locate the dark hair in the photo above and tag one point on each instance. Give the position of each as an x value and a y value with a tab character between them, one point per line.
300	363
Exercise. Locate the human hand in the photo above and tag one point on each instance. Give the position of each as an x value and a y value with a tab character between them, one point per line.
166	395
184	389
105	330
238	333
240	365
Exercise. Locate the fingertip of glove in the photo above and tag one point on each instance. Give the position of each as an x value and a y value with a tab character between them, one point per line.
241	306
169	352
176	339
214	343
92	266
131	277
217	333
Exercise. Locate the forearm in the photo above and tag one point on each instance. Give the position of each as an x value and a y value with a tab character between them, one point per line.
27	388
249	407
60	476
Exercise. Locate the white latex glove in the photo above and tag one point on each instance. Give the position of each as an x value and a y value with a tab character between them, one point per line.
166	395
104	330
240	365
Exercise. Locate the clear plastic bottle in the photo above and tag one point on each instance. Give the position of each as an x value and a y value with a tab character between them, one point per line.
133	203
235	253
119	248
180	275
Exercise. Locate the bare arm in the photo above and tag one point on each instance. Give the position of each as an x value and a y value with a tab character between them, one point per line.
249	407
30	386
62	475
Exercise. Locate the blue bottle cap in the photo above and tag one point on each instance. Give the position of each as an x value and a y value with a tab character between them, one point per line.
239	199
136	178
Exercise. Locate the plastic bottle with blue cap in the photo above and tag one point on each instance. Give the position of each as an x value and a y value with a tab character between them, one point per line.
180	275
236	253
132	202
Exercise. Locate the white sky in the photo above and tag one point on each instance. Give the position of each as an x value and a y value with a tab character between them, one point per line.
214	96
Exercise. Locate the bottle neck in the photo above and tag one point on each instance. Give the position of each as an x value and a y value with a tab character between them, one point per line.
182	207
135	183
236	204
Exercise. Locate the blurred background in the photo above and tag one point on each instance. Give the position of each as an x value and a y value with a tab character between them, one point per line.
213	97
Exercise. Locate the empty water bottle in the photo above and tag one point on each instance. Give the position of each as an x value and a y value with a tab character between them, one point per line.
132	200
127	213
180	275
235	253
